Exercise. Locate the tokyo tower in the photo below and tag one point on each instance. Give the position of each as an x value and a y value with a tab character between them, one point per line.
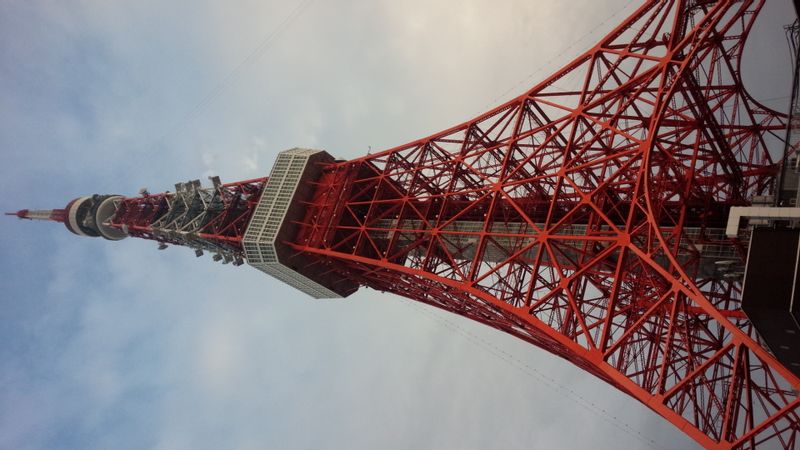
642	226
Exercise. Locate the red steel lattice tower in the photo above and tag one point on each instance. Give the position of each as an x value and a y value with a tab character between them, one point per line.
587	220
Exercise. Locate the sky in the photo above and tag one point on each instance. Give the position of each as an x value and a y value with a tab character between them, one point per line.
118	345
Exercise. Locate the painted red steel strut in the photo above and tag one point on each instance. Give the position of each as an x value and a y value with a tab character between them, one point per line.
585	216
588	221
203	218
212	219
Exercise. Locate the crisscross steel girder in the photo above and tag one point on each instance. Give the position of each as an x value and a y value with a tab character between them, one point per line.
212	219
583	217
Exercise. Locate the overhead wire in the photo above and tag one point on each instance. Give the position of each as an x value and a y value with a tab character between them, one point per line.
265	43
219	88
547	64
533	372
773	99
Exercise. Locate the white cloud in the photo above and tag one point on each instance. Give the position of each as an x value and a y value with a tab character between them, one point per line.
119	345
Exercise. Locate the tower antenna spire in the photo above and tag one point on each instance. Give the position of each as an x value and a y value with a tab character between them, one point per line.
53	215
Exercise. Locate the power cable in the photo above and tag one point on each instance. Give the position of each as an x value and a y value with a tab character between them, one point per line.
531	371
265	43
549	62
773	99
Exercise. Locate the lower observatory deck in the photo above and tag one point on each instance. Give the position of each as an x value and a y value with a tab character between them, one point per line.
281	204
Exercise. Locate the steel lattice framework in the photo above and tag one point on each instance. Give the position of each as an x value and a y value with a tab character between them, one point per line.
585	216
587	220
212	219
